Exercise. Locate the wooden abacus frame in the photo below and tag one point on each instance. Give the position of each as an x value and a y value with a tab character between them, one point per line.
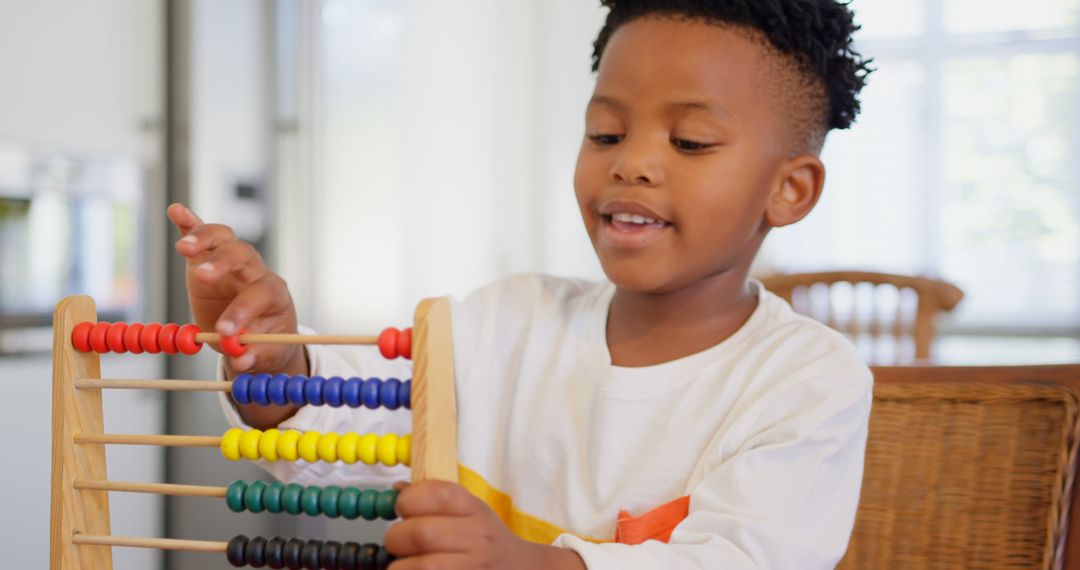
79	536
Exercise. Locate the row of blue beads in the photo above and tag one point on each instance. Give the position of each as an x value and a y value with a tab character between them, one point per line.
282	389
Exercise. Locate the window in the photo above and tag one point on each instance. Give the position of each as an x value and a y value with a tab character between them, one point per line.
965	163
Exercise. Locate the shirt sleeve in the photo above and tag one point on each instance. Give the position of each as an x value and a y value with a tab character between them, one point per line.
362	361
785	499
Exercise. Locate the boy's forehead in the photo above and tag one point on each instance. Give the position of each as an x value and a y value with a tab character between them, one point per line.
712	67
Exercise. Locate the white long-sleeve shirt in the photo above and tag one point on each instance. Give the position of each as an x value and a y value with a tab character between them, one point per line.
764	433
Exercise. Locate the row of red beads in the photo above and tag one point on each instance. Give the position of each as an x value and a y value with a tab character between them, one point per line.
136	338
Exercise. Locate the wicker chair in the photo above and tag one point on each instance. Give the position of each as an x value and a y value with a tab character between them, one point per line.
970	468
871	307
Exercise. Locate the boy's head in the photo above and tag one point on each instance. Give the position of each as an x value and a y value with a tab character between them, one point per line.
704	131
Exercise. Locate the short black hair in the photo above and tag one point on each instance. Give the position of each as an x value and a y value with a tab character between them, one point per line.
816	34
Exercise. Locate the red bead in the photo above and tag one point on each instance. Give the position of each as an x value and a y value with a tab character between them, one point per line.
131	338
185	339
388	340
96	338
167	338
148	338
230	345
80	336
115	337
404	343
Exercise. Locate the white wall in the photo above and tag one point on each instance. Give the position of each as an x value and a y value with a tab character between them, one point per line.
79	77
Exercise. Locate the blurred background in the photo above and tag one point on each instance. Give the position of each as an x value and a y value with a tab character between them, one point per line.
380	151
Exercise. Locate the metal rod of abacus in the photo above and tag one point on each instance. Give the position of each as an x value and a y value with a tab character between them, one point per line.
156	488
143	542
149	439
155	384
268	338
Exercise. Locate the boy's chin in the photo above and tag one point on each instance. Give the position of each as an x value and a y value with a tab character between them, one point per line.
637	278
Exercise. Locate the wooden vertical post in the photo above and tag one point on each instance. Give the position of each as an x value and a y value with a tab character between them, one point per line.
434	407
76	411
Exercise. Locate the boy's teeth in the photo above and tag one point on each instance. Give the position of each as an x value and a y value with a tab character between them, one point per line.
632	219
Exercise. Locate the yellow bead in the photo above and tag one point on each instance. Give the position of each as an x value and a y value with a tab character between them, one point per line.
404	449
230	444
327	447
249	444
268	444
286	445
346	447
388	449
308	446
369	442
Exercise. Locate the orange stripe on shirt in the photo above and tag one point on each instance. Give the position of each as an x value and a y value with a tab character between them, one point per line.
656	524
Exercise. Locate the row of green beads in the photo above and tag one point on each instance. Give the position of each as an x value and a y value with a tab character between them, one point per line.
333	501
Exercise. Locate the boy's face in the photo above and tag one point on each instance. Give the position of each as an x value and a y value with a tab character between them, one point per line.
681	153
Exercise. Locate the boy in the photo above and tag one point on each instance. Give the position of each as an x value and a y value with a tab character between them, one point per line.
679	410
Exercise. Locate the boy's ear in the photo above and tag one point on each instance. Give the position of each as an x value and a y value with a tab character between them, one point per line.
798	190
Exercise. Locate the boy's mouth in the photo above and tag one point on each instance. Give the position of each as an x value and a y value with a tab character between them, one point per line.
630	225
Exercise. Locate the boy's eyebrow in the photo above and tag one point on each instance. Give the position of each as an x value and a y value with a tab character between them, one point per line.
711	108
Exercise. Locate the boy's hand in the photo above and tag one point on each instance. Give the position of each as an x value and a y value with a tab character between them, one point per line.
230	288
446	527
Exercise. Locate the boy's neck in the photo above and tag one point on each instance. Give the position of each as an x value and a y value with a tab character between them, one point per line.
645	329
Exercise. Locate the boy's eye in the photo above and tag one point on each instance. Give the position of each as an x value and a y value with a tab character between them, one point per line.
605	140
683	144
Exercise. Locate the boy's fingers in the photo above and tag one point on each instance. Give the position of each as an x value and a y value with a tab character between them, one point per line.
425	535
183	218
237	258
264	296
204	237
436	498
427	561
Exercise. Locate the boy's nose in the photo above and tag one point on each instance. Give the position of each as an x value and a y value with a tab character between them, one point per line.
638	163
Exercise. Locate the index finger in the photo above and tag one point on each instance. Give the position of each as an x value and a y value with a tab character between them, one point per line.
183	218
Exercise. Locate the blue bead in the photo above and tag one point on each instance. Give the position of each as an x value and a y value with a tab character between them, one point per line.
405	394
331	391
350	392
241	394
275	390
389	393
369	393
257	389
295	390
313	390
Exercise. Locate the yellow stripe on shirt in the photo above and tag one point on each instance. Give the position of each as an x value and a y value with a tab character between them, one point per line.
522	524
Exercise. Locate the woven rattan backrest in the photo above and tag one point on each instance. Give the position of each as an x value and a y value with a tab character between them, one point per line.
972	470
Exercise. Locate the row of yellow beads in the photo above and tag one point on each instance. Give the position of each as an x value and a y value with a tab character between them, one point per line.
312	446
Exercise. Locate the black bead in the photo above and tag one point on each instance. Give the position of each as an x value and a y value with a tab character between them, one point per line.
310	554
348	556
234	551
329	555
275	553
256	552
293	549
367	556
383	558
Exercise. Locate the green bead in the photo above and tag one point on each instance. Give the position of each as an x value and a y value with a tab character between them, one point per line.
384	504
309	500
272	497
290	498
328	501
347	503
234	496
253	497
366	504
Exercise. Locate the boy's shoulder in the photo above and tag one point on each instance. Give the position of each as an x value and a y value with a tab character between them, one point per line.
531	292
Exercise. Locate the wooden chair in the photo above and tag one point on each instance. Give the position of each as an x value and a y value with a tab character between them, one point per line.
871	307
970	467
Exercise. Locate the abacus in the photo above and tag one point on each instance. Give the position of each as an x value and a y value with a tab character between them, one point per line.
80	538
